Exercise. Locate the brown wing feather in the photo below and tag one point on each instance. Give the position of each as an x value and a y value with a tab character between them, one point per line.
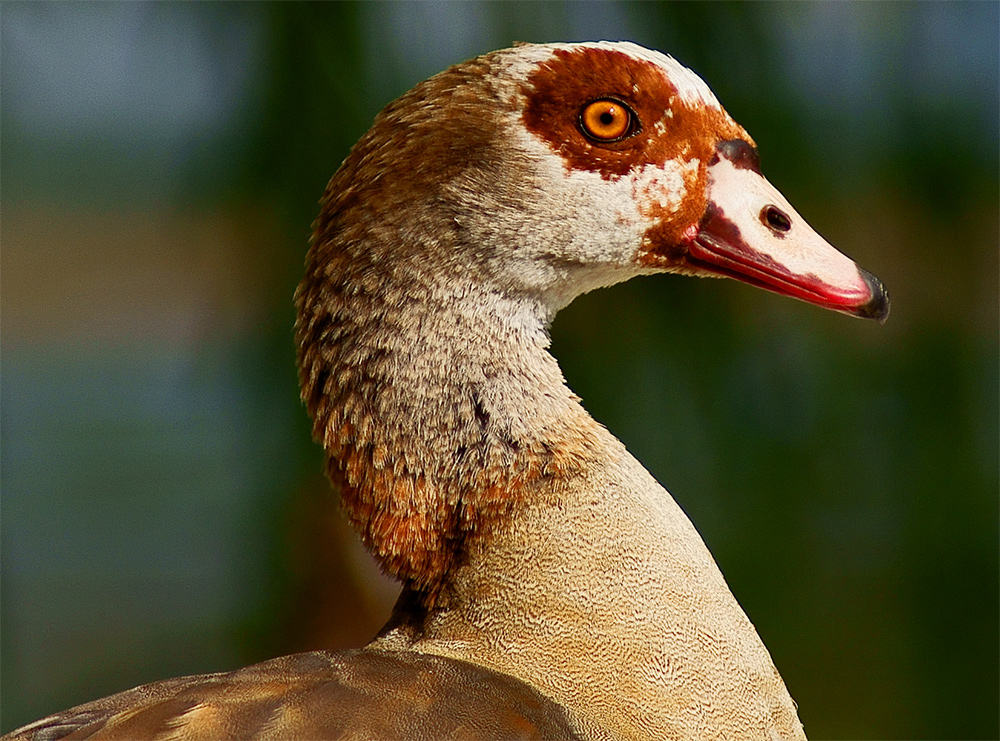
364	694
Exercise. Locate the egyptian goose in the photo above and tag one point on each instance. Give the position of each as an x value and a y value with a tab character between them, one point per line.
552	588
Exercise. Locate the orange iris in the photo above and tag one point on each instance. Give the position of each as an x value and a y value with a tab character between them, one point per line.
606	120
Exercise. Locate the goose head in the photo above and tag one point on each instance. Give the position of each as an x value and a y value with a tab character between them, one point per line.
479	204
552	169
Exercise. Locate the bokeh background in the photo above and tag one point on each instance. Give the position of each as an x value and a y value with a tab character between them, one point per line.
163	511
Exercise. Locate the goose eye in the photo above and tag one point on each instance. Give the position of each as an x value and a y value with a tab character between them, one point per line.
607	120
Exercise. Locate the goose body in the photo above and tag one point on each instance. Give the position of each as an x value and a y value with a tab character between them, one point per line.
552	588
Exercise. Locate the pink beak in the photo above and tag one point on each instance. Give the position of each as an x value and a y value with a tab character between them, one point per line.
751	233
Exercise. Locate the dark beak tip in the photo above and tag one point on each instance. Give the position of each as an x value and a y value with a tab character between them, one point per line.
877	307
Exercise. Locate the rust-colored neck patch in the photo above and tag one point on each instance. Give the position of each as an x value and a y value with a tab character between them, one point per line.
426	467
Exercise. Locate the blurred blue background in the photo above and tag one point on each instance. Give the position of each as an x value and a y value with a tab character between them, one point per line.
163	510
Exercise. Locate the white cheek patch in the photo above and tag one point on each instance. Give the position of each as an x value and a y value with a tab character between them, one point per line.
575	230
741	195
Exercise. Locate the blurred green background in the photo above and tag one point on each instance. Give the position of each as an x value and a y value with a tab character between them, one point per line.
163	511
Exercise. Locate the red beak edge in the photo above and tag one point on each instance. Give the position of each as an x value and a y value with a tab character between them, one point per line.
751	233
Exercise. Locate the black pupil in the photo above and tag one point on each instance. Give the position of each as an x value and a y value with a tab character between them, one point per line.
775	219
607	118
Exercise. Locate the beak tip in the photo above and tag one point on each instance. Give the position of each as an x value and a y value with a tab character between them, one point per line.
877	307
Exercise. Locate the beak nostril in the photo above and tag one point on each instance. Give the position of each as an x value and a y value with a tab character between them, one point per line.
775	219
